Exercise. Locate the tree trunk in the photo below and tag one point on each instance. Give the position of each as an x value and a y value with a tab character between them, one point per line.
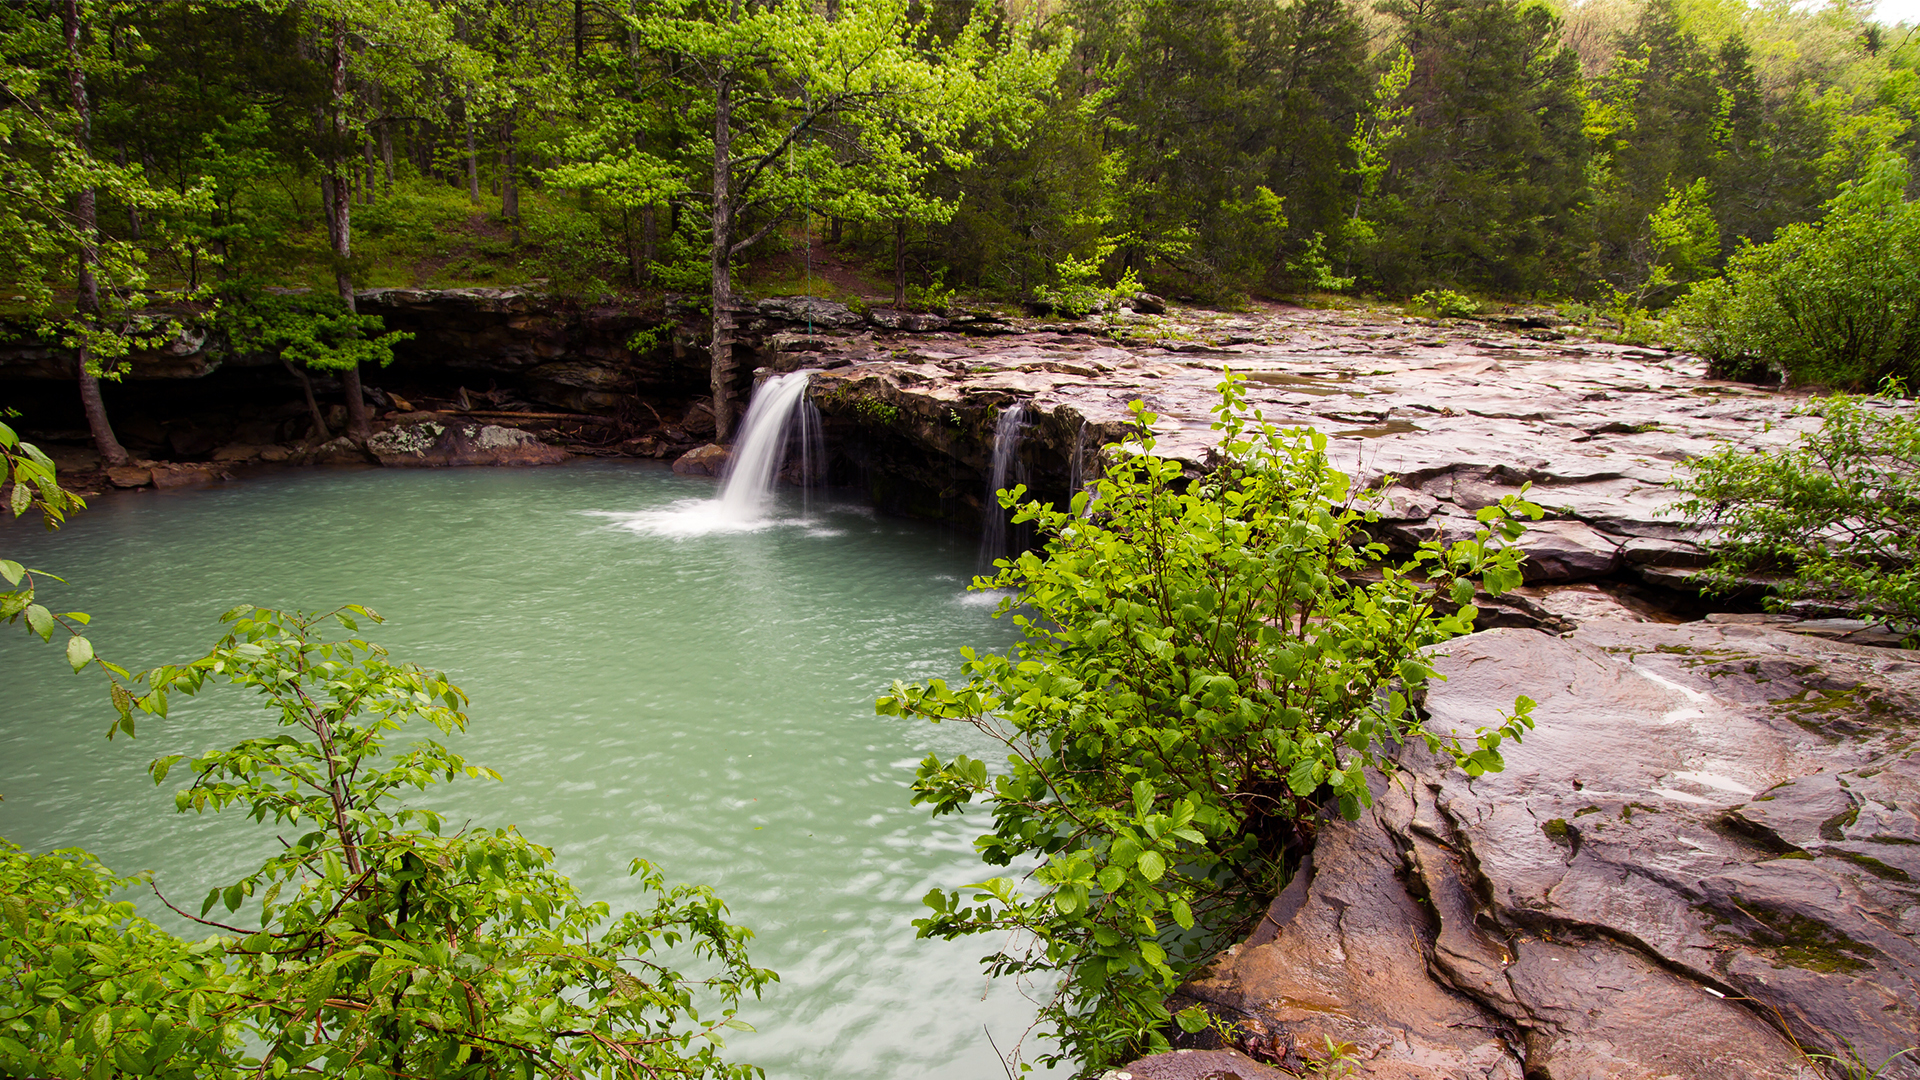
366	150
386	154
722	254
833	234
509	163
473	157
86	303
649	239
341	228
133	212
322	433
899	262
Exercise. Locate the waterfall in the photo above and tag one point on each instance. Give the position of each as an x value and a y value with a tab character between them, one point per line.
1077	464
1007	471
811	449
757	456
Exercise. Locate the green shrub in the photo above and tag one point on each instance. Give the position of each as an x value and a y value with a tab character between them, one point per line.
1312	269
1445	304
1834	303
1839	512
1202	666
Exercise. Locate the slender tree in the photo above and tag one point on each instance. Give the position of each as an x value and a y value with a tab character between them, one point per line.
87	225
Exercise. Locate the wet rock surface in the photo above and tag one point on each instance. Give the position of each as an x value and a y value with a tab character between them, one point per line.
1458	413
1705	858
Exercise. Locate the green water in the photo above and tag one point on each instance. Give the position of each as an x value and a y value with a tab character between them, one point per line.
704	702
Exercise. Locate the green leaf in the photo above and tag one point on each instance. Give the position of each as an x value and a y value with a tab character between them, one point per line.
1182	914
79	652
1151	865
11	571
40	621
1193	1019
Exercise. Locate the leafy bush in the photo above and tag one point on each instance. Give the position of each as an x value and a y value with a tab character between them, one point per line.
1312	269
88	987
386	946
1078	291
1840	512
1445	304
314	329
1202	671
1835	303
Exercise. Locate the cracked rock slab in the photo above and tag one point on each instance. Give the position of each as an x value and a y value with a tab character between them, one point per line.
1699	863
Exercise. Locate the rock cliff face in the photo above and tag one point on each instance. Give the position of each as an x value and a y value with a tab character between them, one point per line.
1704	861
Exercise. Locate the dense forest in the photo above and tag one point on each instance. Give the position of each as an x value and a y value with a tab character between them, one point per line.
1605	155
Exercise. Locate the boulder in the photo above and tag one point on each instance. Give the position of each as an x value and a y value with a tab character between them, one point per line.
1700	861
1567	551
809	310
1199	1065
339	451
171	475
130	476
708	460
431	443
1148	304
914	322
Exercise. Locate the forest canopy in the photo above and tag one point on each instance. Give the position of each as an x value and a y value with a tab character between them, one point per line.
1611	153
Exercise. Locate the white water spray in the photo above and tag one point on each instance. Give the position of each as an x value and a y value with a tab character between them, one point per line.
762	448
746	491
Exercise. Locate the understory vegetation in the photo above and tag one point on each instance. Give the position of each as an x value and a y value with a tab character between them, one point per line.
1205	669
1832	523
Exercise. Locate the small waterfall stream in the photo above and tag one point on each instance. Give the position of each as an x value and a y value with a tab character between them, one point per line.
1008	470
762	448
809	447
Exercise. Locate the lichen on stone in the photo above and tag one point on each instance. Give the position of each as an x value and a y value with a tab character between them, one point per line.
406	439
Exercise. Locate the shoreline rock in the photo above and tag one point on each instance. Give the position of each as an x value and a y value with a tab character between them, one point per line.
1704	857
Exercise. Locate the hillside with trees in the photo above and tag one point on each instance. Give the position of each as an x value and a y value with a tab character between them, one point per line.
1608	154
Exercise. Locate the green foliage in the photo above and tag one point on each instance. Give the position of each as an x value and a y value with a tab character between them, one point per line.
1313	270
1839	512
89	988
1077	291
571	250
1834	303
387	946
1487	185
1445	304
313	329
27	476
1203	670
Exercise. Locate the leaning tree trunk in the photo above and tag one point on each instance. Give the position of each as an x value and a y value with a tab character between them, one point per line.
86	219
340	213
722	254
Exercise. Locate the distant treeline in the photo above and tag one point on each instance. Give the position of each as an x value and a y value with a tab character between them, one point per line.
1213	148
